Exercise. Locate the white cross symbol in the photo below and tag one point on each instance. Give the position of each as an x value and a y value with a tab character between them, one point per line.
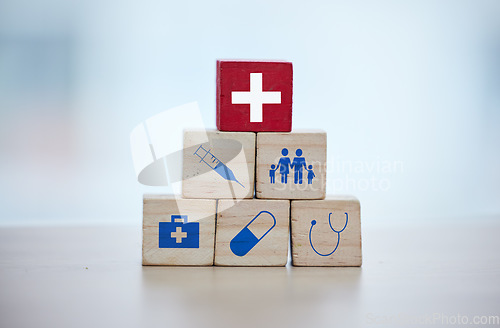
178	235
256	97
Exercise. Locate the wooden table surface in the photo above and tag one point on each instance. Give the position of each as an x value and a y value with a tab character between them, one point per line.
414	275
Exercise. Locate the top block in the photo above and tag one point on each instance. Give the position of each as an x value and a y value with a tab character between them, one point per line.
254	96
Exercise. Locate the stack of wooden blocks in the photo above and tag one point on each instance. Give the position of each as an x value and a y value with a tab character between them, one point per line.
250	185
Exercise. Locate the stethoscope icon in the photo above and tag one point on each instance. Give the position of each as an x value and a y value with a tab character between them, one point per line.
313	223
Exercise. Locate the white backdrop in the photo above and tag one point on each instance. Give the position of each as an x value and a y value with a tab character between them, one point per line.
409	93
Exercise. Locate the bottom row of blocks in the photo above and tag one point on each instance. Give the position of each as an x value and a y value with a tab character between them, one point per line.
251	232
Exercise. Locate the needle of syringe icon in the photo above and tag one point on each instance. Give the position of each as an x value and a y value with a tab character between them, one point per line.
215	164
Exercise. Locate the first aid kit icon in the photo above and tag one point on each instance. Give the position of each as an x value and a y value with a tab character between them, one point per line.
179	233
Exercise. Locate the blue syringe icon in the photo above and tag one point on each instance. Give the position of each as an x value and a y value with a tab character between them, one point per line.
215	164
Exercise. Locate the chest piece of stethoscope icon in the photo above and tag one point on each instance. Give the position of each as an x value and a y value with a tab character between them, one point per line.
313	223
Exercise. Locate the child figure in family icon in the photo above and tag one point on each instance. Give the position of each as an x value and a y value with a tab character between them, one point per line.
298	164
310	174
272	172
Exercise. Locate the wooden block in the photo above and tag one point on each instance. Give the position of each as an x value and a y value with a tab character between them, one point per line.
169	240
223	167
313	238
291	165
252	232
254	96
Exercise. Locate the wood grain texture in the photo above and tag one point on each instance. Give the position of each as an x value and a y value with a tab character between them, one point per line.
269	152
232	217
235	149
159	208
348	252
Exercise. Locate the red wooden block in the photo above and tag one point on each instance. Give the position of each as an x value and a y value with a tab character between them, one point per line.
254	96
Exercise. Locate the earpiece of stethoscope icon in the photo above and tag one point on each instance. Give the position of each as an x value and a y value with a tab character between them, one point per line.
313	223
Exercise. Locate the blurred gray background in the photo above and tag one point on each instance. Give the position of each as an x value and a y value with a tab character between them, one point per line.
409	93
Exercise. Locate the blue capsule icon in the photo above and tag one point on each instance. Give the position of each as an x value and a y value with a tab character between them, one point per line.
245	240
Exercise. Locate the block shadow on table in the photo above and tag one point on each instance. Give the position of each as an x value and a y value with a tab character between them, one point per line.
251	296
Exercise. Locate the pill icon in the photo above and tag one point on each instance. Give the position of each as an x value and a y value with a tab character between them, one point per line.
248	237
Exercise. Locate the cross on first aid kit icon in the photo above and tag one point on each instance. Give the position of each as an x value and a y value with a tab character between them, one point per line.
254	96
179	233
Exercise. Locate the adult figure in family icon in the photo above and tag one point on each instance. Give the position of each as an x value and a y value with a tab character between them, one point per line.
298	165
284	166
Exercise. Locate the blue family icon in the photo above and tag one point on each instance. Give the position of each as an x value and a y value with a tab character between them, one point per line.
298	165
245	240
313	223
215	164
179	233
